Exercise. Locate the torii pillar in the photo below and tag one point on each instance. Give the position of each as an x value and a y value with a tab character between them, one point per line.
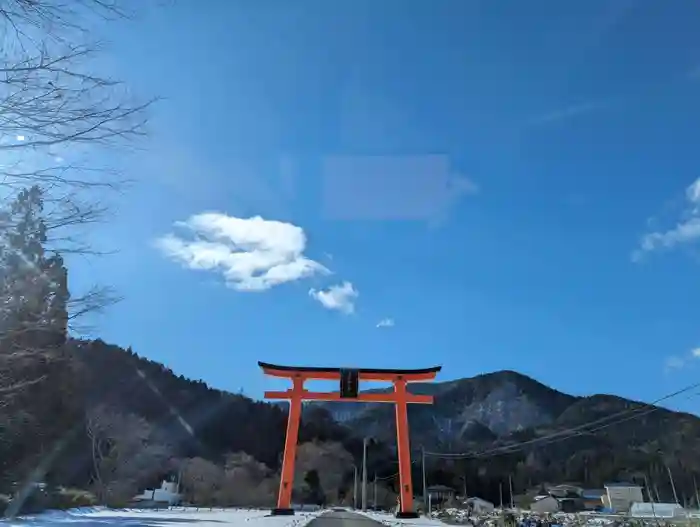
349	381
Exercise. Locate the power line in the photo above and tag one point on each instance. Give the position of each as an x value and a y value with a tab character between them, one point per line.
387	477
382	478
571	432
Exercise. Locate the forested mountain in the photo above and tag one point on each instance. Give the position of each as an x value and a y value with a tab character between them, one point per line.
486	415
515	426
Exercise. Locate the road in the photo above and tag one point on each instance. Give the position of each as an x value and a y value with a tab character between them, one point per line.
343	519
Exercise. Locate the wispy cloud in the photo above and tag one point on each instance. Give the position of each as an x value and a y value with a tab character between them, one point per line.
674	362
685	231
251	254
340	297
562	114
386	323
678	362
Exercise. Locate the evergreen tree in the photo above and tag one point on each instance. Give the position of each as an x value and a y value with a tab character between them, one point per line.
33	281
36	380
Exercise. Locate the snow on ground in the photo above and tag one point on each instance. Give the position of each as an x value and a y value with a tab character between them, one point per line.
97	517
390	520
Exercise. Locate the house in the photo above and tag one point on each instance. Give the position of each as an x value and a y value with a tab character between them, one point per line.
568	498
166	495
440	493
565	491
479	506
593	499
619	497
546	504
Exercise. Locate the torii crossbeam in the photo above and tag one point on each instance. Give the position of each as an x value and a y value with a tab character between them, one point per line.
349	379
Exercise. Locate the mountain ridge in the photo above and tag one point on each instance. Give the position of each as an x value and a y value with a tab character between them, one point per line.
508	413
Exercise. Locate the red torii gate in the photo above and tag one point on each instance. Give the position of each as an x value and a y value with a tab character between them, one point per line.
400	397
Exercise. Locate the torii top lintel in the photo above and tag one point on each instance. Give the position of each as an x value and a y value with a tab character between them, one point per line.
365	374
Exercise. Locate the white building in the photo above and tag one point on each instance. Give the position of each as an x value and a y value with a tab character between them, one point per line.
167	493
620	496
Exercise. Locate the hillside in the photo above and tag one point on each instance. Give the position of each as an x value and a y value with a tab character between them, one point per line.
199	420
478	408
487	414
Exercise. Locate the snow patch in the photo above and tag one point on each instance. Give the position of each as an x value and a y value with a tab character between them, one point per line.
176	516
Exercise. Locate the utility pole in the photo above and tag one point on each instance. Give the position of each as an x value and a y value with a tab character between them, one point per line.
374	489
500	493
649	494
510	489
354	487
651	499
697	498
673	486
425	484
364	473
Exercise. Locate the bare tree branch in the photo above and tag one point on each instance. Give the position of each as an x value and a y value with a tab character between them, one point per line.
59	118
124	453
58	115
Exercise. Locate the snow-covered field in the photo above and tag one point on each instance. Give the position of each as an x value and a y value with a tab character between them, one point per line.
98	517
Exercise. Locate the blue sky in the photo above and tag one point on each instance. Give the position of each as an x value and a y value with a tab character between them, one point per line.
507	182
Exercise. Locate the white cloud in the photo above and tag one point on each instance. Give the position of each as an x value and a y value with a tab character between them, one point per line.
693	192
683	232
386	323
340	297
696	353
252	254
686	231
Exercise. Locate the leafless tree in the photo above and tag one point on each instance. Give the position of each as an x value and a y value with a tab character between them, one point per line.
247	482
61	119
59	115
124	453
201	480
56	111
386	498
330	460
241	482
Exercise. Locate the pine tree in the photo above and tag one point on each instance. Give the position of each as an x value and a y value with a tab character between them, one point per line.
35	371
33	281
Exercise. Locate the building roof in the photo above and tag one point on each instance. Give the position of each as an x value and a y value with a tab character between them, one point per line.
440	488
593	493
631	485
